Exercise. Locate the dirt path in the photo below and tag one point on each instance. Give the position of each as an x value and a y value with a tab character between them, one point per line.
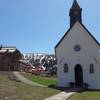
25	80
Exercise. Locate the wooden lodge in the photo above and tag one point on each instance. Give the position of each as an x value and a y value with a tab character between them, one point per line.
9	59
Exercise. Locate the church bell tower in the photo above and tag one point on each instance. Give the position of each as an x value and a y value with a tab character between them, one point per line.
75	13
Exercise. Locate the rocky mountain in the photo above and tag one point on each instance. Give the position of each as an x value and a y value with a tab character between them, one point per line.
40	59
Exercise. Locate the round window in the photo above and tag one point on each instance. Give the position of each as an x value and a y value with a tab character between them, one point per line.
77	48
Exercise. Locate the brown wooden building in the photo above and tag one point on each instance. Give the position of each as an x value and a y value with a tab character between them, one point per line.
9	59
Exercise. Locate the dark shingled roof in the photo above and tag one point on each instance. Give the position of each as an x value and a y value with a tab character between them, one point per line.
75	5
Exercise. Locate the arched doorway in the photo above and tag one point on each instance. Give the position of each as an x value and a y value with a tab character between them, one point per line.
78	76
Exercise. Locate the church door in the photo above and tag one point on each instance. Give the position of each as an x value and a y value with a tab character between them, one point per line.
78	76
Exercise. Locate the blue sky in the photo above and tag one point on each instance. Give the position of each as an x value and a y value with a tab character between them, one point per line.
37	25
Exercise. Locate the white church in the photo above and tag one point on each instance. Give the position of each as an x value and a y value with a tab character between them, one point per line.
78	54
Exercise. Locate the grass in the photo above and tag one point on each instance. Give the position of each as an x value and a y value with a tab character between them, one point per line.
86	95
12	90
83	95
48	81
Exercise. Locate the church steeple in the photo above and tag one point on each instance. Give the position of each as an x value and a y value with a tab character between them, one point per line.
75	13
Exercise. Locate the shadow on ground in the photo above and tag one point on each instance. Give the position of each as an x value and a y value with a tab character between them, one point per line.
66	89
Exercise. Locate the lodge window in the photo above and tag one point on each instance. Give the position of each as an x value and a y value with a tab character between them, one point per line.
91	68
65	68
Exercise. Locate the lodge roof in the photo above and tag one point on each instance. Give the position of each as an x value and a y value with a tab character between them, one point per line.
8	49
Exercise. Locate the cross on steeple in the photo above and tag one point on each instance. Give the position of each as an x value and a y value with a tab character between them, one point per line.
75	13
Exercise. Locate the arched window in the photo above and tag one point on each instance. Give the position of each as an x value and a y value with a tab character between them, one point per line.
91	68
65	68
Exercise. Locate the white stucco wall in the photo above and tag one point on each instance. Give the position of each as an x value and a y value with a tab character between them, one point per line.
88	55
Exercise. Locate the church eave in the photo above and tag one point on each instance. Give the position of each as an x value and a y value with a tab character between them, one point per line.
63	37
70	29
91	35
